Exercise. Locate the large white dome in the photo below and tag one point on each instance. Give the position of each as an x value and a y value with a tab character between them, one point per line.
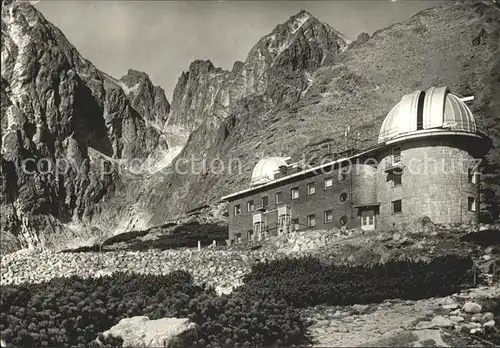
265	170
434	108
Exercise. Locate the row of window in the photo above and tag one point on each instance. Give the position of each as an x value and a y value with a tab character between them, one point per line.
327	218
278	199
294	193
397	205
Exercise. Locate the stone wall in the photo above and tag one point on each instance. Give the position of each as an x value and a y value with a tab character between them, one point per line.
434	183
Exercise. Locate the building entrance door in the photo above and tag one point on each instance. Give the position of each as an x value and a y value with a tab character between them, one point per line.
368	220
258	227
283	224
257	230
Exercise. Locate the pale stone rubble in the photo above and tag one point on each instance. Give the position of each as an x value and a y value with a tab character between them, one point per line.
349	326
219	268
224	269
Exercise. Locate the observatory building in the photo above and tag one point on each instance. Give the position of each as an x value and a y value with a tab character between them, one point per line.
424	164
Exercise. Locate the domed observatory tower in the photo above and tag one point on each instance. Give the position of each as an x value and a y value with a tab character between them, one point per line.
429	160
267	170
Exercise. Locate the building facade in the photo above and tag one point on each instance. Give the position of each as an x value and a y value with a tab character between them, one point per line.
425	164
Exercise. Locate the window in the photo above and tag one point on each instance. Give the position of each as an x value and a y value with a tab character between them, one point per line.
343	196
420	111
472	204
396	155
328	216
397	206
279	197
343	220
311	220
250	206
295	224
295	193
328	183
311	188
367	220
397	179
265	201
472	176
250	235
237	238
237	209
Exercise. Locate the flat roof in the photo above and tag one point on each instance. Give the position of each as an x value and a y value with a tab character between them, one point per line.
302	172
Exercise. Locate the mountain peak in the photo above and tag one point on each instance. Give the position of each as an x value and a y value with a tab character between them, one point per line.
302	14
296	21
136	74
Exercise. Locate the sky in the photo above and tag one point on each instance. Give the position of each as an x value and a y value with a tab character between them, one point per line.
162	38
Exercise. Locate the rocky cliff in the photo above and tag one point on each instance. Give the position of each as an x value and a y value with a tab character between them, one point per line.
278	66
61	119
300	87
207	100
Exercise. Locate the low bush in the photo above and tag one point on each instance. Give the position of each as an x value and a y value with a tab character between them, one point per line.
125	237
71	312
86	249
185	236
307	282
483	238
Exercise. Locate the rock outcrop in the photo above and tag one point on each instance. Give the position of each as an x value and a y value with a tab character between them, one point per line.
57	109
164	332
277	66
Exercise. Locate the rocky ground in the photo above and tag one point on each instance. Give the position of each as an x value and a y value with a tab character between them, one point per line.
225	267
219	268
443	321
430	319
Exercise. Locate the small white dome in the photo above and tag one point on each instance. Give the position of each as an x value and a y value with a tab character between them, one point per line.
434	108
265	170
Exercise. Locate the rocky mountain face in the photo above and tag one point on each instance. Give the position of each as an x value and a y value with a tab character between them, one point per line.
62	119
300	87
207	99
278	67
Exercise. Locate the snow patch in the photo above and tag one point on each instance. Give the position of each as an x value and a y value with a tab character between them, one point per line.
128	89
21	40
125	88
310	80
299	22
11	120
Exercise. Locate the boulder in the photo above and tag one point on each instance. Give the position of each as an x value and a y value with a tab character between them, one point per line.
166	332
441	321
471	307
360	309
476	317
422	225
449	303
487	317
478	331
424	325
456	318
489	324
